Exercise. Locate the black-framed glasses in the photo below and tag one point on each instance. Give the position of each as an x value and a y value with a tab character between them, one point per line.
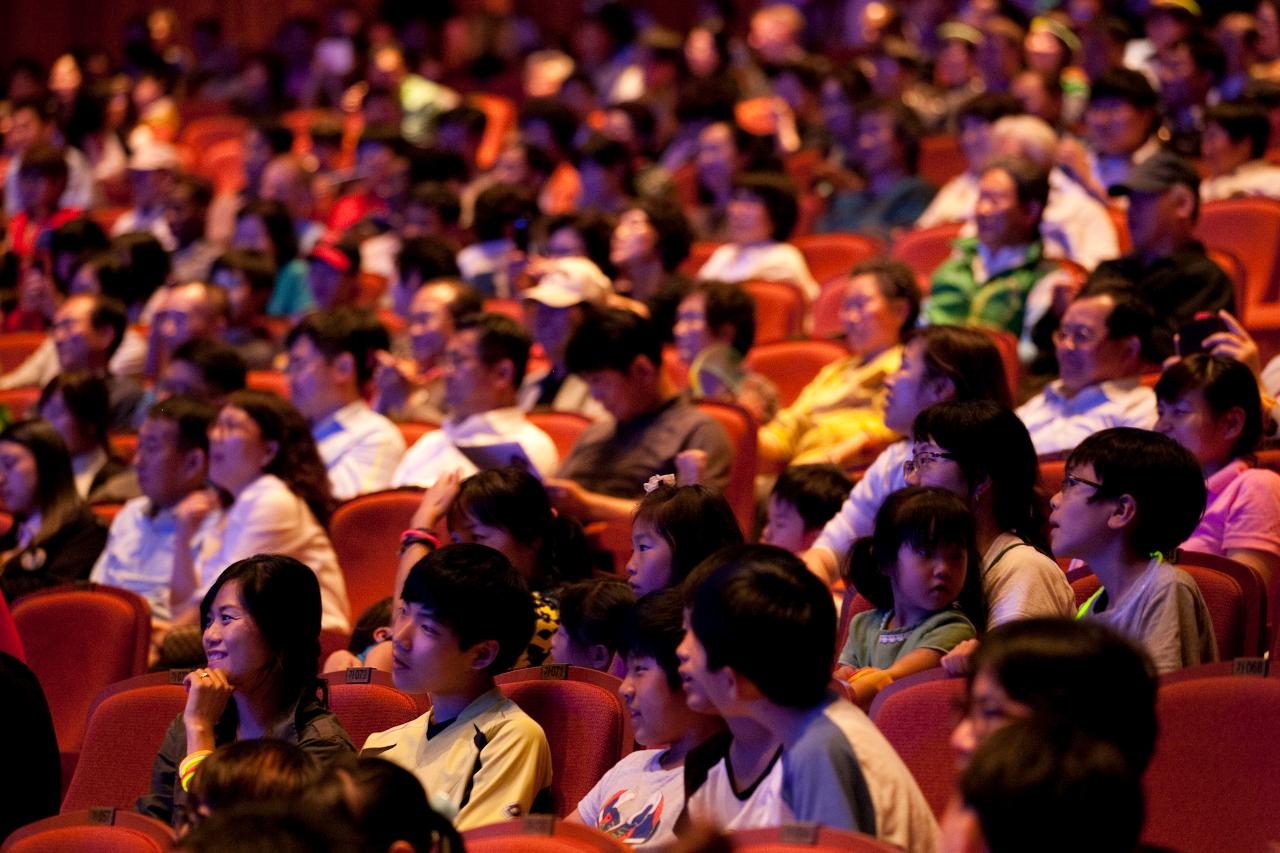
1070	481
924	459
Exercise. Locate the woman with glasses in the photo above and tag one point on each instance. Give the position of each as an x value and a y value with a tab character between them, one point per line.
982	453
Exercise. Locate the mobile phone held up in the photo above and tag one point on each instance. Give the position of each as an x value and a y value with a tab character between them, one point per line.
1191	335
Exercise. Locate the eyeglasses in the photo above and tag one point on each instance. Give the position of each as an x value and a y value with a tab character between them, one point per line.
924	459
1070	481
1079	336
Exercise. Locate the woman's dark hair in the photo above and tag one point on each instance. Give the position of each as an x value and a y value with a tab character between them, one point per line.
654	628
675	235
282	596
296	461
111	271
991	443
275	218
592	612
596	230
924	518
251	771
696	521
1078	672
77	238
85	395
387	804
969	359
1226	384
729	305
56	497
777	194
147	262
513	500
896	281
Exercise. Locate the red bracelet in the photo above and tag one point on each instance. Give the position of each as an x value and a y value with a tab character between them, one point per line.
419	536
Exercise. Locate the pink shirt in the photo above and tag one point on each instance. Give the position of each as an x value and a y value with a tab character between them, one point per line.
1243	511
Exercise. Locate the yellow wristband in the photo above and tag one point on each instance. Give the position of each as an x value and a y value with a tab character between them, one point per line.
188	765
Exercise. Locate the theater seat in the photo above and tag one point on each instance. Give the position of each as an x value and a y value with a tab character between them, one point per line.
741	430
94	831
916	715
563	427
830	256
586	723
365	532
539	833
805	836
779	310
367	701
791	365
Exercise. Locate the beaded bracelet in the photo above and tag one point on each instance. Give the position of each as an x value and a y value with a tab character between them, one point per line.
187	768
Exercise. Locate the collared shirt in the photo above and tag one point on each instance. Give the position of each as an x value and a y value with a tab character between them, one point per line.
1058	422
268	518
1111	170
139	555
966	291
568	394
489	764
85	466
768	261
360	449
437	453
1242	511
1254	178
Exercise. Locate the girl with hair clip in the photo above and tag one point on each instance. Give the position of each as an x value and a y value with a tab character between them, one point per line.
261	638
273	496
508	510
674	529
54	537
982	453
920	571
1211	406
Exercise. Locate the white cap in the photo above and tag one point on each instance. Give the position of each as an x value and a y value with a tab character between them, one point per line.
566	282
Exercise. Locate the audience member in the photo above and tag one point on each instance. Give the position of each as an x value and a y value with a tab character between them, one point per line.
186	213
1129	498
803	500
592	614
714	330
463	618
566	291
675	528
204	369
247	277
1235	142
25	712
76	404
331	361
261	622
650	241
485	362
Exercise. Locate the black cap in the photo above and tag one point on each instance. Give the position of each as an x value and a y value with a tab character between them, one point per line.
1157	173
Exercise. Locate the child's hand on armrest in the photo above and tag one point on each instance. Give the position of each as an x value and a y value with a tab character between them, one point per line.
957	661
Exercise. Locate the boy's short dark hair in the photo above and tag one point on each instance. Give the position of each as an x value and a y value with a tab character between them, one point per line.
777	194
437	196
1031	774
593	612
1161	475
763	613
221	367
815	492
474	590
344	330
191	416
1124	84
1132	316
729	305
654	629
500	339
612	339
1242	120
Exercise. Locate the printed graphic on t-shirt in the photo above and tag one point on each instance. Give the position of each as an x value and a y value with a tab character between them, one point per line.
637	829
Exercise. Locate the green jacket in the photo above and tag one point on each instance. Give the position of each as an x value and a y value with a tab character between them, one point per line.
957	298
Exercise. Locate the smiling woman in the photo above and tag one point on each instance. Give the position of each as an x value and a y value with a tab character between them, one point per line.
261	623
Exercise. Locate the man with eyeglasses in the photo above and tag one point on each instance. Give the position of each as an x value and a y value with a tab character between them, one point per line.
1101	345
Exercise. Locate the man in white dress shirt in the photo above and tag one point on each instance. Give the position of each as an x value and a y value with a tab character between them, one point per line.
484	365
331	359
1101	345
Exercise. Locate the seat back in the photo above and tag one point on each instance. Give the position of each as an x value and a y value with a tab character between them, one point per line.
15	347
830	256
537	833
779	310
791	365
270	381
19	401
698	254
585	721
1248	228
365	532
1237	600
1052	473
805	836
78	640
1212	784
916	715
1234	268
941	159
826	310
563	427
1007	344
96	830
741	429
500	115
411	431
853	604
126	726
367	701
924	249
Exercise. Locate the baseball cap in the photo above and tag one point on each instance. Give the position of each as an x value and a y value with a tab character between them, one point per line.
1157	173
566	282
